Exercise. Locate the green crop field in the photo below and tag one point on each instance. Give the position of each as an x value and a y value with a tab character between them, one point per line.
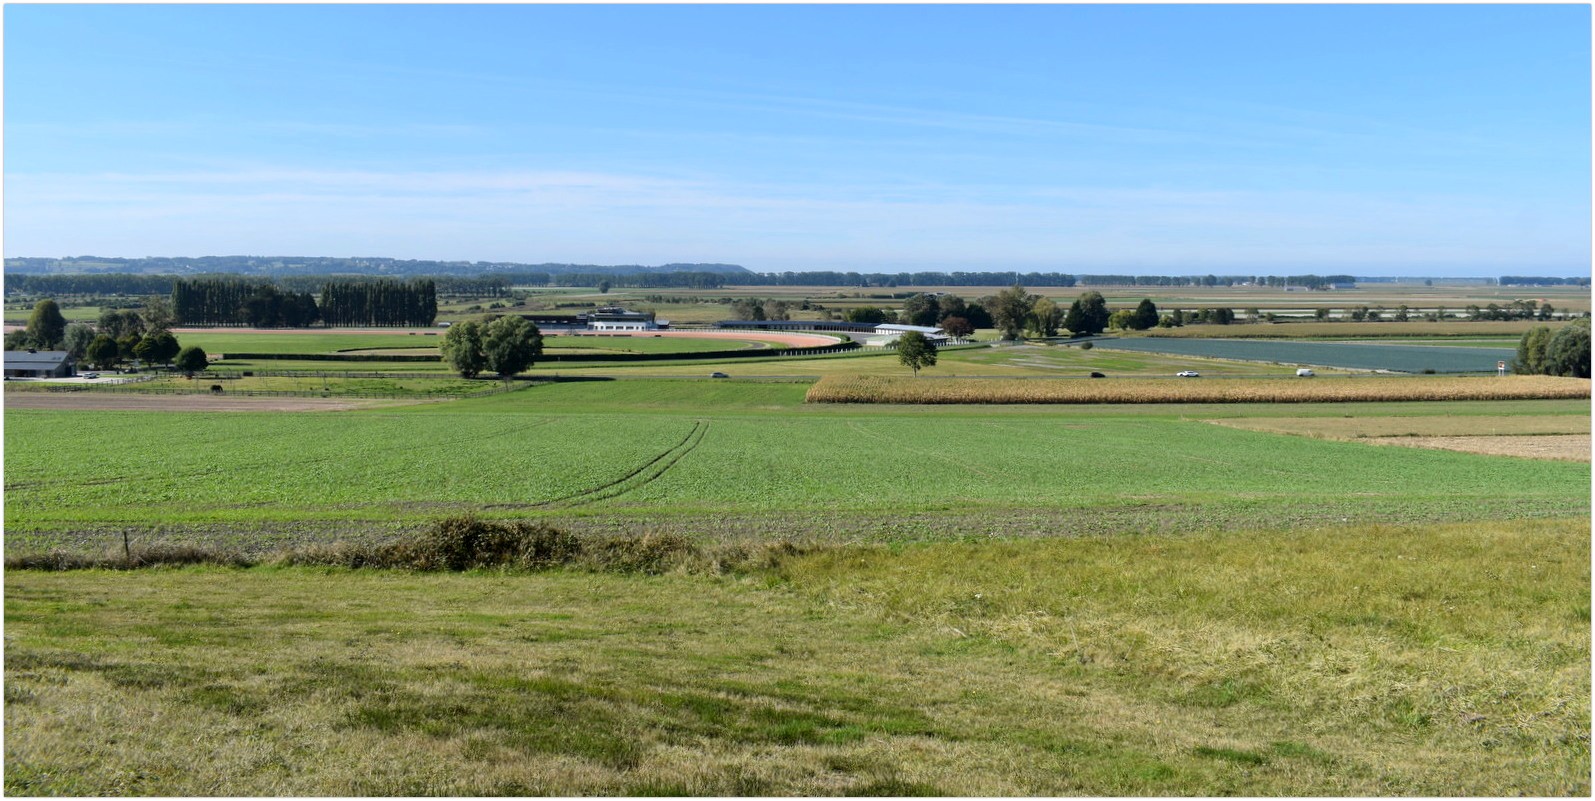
742	454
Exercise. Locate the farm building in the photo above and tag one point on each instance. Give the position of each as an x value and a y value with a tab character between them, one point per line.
39	364
888	333
608	318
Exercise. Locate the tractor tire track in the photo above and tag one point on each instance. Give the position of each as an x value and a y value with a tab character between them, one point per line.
643	475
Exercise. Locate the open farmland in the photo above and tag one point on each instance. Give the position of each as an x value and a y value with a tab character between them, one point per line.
663	452
952	599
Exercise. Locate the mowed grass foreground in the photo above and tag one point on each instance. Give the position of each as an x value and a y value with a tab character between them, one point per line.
1443	661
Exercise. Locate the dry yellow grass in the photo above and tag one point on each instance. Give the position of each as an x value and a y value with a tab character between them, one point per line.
1362	426
1556	447
875	389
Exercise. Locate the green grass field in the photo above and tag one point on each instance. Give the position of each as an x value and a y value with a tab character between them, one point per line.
978	600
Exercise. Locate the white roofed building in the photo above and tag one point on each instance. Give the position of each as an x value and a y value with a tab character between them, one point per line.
888	333
615	318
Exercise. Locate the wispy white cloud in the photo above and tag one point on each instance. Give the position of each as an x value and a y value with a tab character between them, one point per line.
615	217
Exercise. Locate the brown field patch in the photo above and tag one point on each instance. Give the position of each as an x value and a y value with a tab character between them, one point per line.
1416	426
1559	447
877	389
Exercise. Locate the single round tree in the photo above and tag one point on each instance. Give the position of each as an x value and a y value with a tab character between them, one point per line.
103	352
47	326
126	344
1567	352
192	360
1145	315
957	327
144	349
1010	310
163	348
1094	314
1044	318
915	351
511	344
461	349
1531	351
77	340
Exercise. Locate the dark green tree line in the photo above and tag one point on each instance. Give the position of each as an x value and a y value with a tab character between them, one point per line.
384	302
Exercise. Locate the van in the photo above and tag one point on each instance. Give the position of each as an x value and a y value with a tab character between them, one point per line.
1305	373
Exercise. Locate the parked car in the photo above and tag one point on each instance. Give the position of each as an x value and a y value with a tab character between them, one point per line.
718	375
1188	374
89	375
1305	373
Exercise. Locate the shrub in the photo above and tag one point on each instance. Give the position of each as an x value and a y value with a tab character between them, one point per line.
457	544
466	543
650	553
155	555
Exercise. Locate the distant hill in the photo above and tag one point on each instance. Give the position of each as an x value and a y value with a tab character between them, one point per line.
327	265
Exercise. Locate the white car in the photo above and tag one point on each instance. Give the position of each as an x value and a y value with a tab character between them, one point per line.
1305	373
90	376
1188	374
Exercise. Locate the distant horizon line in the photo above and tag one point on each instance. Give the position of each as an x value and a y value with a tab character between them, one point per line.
1321	271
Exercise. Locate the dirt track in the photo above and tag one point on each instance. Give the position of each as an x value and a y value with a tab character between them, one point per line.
779	338
107	401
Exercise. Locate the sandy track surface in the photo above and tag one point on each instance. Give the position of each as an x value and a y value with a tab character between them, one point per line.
106	401
1561	447
780	338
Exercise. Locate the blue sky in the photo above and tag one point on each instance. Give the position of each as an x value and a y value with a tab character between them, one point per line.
1374	140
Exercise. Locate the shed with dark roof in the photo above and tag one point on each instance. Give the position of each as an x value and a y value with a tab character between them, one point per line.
39	364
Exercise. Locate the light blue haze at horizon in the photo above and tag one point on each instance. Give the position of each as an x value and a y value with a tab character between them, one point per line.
1363	139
